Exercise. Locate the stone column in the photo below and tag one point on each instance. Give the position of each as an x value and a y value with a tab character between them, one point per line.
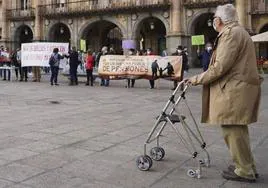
176	16
174	37
249	17
242	12
4	20
37	22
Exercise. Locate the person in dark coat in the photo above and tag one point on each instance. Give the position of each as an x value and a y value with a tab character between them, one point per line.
170	69
180	52
73	62
15	63
149	52
131	81
205	56
54	66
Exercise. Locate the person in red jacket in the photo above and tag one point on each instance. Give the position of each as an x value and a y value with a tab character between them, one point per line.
89	67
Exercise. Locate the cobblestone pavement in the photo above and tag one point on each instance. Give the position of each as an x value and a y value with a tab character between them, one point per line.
82	137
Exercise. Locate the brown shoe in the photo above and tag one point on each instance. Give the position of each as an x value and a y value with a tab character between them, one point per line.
229	175
232	168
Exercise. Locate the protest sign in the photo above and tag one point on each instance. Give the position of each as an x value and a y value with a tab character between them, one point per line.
83	45
129	44
37	54
119	66
198	40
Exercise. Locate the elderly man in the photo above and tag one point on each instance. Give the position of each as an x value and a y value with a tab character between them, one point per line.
231	91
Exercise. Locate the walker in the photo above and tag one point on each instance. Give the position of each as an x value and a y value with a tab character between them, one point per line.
189	137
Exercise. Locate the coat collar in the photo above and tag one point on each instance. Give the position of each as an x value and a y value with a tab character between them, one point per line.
228	26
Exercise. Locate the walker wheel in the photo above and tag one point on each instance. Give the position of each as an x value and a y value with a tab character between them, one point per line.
157	153
163	152
144	162
207	162
204	162
191	173
150	159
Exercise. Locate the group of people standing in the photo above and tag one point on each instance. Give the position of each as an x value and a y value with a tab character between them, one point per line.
89	61
13	58
74	61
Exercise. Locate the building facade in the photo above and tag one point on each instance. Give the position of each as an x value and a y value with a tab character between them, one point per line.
156	24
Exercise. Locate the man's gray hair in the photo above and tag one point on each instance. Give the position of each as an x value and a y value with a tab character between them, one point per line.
227	13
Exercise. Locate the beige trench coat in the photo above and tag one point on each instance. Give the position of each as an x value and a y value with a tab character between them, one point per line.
231	85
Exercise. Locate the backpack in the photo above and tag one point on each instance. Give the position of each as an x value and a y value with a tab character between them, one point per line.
52	60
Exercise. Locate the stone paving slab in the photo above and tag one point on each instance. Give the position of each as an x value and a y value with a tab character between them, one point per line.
17	173
91	137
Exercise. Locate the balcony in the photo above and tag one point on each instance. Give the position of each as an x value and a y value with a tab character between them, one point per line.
259	7
204	3
19	14
88	8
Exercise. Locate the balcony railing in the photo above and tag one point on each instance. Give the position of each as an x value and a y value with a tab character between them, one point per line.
204	3
259	7
19	14
87	7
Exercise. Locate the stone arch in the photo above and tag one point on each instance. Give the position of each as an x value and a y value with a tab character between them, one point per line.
106	31
194	18
150	31
261	26
262	47
22	33
141	18
195	25
96	19
56	25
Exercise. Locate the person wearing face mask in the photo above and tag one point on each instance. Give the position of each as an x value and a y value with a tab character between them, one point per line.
180	52
132	80
205	56
232	91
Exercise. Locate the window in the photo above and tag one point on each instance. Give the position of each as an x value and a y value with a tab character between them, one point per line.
59	3
24	4
93	2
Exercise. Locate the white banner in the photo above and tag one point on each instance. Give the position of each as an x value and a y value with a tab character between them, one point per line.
119	66
38	53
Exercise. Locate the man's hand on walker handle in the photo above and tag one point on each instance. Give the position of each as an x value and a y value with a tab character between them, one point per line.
187	81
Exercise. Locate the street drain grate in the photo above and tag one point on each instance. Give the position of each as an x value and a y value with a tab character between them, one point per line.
54	102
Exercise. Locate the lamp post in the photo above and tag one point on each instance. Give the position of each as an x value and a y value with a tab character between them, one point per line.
209	22
152	25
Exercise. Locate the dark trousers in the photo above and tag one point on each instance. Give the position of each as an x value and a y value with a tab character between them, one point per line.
176	81
54	74
6	72
23	73
17	70
105	82
154	76
151	83
132	82
90	75
1	71
73	75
